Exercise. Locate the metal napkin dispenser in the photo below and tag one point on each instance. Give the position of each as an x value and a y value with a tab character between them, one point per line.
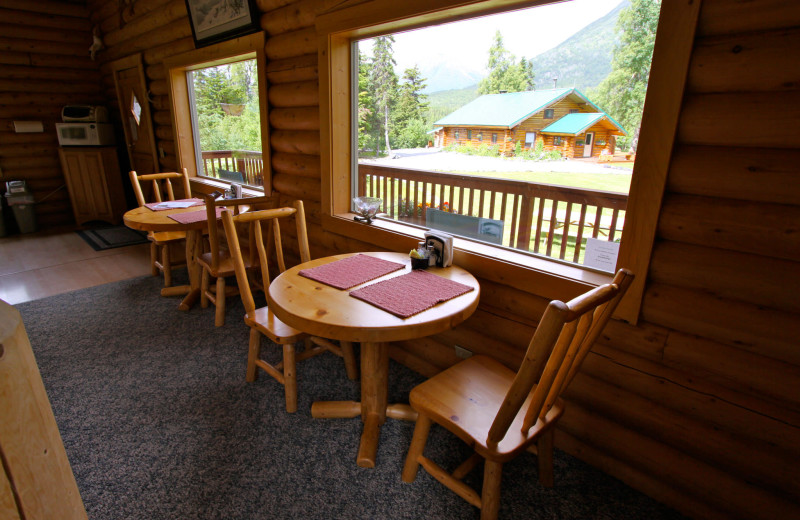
441	246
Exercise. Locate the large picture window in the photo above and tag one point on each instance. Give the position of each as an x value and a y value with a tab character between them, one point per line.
219	112
552	278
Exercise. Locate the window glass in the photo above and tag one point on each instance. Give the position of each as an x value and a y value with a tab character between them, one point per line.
548	206
226	122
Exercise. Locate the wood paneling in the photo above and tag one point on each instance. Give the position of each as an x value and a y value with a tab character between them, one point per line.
697	405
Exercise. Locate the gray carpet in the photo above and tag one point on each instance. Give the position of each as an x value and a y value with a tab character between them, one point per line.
159	424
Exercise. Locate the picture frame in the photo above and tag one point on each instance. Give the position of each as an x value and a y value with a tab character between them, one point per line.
214	21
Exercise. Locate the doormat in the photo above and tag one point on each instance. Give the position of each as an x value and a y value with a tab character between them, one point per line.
108	238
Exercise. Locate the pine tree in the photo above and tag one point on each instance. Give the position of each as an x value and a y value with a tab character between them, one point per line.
622	93
409	128
384	83
504	74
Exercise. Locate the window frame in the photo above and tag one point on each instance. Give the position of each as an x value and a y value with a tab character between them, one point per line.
549	113
237	49
357	19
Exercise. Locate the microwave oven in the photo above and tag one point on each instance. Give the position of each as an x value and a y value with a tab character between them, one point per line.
85	134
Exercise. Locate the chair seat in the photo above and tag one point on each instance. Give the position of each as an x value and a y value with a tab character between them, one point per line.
268	324
451	399
225	265
166	236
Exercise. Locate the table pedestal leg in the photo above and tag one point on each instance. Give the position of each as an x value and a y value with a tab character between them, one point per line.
193	244
373	407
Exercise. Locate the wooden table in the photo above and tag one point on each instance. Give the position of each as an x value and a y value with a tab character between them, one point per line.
145	219
321	310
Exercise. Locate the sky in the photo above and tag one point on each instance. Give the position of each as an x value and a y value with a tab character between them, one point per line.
527	33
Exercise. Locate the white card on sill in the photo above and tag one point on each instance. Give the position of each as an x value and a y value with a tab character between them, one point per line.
601	254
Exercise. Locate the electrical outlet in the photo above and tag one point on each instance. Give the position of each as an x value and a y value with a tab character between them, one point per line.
462	353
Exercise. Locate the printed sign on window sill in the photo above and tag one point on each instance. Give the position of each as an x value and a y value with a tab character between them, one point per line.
601	254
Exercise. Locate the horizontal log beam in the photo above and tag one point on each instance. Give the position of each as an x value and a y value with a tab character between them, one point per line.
719	17
751	62
760	280
296	164
297	68
48	7
297	94
757	174
717	119
295	43
297	118
51	20
296	141
748	227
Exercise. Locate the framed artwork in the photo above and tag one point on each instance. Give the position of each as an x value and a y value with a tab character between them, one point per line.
214	21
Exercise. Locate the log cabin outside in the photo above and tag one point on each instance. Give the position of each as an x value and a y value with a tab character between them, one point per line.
562	120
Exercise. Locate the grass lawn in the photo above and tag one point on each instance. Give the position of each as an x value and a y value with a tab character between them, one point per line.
617	182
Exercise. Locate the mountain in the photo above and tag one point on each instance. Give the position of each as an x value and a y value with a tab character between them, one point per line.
446	76
584	59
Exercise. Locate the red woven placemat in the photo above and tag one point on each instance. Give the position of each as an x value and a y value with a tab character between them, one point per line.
190	217
411	293
155	205
351	271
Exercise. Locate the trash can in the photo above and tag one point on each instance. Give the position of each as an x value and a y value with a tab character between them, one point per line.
2	220
20	198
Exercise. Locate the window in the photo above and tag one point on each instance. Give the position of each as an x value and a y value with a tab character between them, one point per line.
219	112
573	110
469	135
372	18
480	137
455	135
548	113
558	140
494	138
530	138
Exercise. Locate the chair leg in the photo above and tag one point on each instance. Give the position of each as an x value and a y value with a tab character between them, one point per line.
490	496
418	442
204	281
290	378
544	452
154	259
253	355
219	319
167	265
349	359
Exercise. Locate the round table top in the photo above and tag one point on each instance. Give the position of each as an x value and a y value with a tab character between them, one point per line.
145	219
322	310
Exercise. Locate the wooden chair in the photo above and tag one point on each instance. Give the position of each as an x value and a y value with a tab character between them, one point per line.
262	321
160	242
217	262
501	413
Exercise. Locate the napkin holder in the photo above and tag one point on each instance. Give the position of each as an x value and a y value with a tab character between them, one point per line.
441	246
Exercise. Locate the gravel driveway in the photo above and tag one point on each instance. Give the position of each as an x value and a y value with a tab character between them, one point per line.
438	160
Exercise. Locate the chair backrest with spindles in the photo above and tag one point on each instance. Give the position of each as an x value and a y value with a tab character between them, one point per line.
255	219
211	209
161	185
566	333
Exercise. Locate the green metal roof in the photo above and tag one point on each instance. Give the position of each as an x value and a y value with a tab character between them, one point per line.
577	123
507	110
573	123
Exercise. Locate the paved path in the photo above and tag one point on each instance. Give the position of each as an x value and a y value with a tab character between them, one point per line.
438	160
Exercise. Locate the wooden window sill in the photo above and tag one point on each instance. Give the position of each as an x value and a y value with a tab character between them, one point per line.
547	278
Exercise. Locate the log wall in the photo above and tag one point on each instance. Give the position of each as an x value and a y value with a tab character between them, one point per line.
44	65
699	404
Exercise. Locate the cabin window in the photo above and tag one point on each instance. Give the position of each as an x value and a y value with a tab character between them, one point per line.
480	137
573	110
219	112
343	176
549	113
469	135
494	138
455	135
530	138
558	140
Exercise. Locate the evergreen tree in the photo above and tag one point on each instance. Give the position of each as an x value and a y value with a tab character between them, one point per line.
409	128
384	84
622	93
366	105
504	74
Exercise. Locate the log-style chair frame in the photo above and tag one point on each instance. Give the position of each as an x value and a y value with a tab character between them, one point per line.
160	261
501	413
217	262
261	320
